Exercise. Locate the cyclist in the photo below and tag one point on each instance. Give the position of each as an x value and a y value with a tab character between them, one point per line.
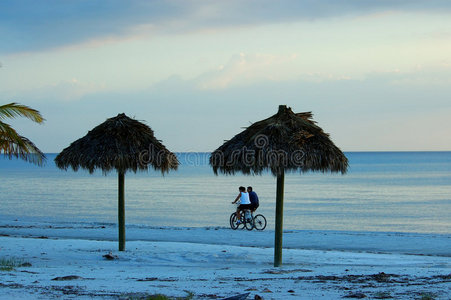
253	198
245	203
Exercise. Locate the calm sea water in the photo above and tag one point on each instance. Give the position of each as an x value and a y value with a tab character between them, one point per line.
383	191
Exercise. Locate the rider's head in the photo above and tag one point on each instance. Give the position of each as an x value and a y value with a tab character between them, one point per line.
242	189
249	189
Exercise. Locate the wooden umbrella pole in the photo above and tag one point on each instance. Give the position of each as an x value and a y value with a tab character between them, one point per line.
121	211
279	219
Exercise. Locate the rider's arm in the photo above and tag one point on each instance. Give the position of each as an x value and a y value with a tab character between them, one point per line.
237	198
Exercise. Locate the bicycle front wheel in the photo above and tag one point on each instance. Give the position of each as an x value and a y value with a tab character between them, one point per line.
260	222
233	224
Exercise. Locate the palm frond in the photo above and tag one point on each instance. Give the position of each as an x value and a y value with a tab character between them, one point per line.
11	143
7	133
13	110
14	145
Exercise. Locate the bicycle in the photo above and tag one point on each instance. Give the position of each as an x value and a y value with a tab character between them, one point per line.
248	221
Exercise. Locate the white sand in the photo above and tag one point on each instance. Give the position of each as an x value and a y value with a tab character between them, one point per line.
214	263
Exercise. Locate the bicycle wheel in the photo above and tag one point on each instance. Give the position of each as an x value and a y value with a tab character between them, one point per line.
249	224
242	224
260	222
233	222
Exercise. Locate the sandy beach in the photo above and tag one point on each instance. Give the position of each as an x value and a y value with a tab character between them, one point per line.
68	261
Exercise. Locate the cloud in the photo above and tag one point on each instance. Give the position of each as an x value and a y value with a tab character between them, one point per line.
28	25
70	90
63	91
430	76
244	69
359	114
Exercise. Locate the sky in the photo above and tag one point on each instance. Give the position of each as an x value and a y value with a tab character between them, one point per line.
375	74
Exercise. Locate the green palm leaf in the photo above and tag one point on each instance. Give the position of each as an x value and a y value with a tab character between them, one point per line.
13	110
11	143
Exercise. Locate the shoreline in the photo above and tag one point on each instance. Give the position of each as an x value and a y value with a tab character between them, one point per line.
434	244
211	263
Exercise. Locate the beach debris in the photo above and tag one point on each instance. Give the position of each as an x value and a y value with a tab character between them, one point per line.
357	295
258	297
286	271
110	256
25	264
69	277
28	272
382	295
381	277
208	296
291	291
148	279
266	290
238	297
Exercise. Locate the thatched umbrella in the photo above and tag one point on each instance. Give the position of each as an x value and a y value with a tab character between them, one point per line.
119	143
286	141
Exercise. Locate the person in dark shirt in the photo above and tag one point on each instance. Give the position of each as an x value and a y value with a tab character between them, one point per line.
254	198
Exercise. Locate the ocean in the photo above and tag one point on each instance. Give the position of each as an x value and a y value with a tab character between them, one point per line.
382	192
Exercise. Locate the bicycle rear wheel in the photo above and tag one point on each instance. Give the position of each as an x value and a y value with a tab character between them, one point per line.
259	222
249	224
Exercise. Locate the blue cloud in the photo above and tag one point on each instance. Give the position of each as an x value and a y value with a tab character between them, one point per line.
29	25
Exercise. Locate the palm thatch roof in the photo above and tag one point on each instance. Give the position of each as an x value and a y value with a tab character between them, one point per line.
119	143
286	141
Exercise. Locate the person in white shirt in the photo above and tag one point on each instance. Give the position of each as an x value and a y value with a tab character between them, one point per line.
245	202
